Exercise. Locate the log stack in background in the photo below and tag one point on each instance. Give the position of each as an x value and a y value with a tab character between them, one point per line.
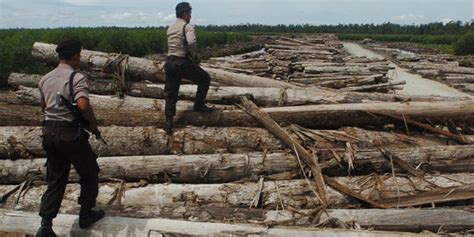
443	68
312	61
389	162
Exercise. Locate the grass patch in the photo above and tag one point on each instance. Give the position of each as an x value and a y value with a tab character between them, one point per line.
15	44
423	39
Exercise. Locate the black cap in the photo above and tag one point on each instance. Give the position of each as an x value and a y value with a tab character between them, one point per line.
183	6
69	47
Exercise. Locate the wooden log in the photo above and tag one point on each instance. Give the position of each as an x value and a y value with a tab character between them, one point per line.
310	159
294	193
445	159
100	86
299	51
346	69
226	95
24	142
457	70
376	87
236	79
299	47
31	96
66	224
209	168
212	168
145	69
138	68
299	42
408	219
311	116
448	219
416	220
338	84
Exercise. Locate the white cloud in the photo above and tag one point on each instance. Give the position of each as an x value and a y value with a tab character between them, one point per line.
409	17
141	17
169	18
83	2
446	20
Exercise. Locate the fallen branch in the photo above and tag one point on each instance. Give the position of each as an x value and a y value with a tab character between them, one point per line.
276	130
405	119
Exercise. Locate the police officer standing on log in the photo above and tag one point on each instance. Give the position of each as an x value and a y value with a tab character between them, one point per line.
182	62
65	102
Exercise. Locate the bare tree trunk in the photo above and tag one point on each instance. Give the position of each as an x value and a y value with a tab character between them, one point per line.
138	68
211	168
382	87
308	158
114	226
145	69
25	142
229	95
268	195
311	116
31	96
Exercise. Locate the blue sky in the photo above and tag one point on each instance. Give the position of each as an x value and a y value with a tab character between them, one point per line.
62	13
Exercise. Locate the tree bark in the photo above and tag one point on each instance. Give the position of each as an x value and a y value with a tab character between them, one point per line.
66	224
382	87
237	79
346	69
145	69
308	158
209	168
31	96
294	193
138	68
229	95
25	142
311	116
299	47
212	168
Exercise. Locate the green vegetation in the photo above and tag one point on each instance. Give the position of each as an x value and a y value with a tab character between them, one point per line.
445	48
447	37
423	39
464	45
15	44
438	28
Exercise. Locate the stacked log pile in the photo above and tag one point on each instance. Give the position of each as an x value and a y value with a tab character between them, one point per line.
450	73
312	61
275	153
442	68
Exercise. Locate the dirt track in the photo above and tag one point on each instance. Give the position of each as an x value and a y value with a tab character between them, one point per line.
415	84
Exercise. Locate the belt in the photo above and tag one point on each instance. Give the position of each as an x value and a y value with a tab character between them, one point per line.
59	124
173	57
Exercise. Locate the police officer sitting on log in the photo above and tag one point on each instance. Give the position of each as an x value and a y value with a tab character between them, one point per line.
182	62
65	102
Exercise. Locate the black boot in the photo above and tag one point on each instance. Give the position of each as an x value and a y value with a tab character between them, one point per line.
87	217
168	125
201	107
46	229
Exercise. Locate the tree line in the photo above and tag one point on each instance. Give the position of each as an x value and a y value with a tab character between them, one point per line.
15	44
436	28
